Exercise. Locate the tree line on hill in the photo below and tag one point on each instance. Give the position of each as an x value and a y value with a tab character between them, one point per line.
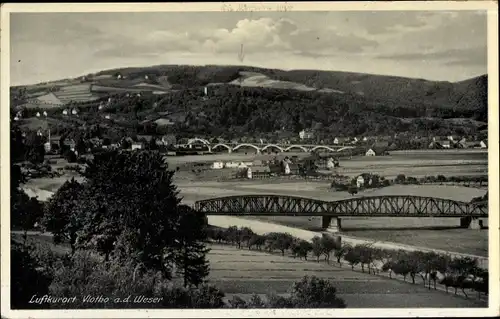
458	272
468	96
123	231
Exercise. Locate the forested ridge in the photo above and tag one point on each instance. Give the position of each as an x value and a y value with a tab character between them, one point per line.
370	104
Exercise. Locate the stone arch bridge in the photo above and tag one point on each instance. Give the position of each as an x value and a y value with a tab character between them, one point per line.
332	211
230	147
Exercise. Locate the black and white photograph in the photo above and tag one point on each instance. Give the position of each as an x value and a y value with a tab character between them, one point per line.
251	159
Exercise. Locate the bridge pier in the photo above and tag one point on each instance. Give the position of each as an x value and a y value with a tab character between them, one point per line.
332	224
471	223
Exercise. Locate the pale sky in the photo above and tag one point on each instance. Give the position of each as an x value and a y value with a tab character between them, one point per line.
449	46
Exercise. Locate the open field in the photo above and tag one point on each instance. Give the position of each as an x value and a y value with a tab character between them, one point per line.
243	272
418	163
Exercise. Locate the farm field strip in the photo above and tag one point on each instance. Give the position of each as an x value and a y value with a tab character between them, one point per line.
356	287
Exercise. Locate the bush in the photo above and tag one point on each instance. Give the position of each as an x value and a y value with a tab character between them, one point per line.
26	278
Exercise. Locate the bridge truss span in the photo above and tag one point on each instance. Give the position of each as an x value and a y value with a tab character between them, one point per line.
381	206
262	205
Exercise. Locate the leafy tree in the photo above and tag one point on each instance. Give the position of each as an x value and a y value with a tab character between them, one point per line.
303	249
237	303
352	190
190	252
317	247
207	297
24	211
125	143
365	253
245	235
353	256
81	146
64	213
280	241
400	179
329	244
130	197
340	253
232	234
35	149
314	292
402	267
70	156
257	240
17	146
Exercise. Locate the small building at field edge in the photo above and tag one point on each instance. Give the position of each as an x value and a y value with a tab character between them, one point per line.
370	152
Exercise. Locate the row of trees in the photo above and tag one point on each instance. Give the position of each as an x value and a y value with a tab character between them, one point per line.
433	268
377	181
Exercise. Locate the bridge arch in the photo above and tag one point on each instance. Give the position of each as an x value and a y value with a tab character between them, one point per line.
221	145
324	147
196	139
272	146
296	146
247	145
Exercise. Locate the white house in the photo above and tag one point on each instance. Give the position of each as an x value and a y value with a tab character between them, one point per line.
446	144
483	144
360	181
370	152
306	134
287	168
136	146
231	165
249	173
335	141
365	139
47	147
37	114
329	163
65	112
217	165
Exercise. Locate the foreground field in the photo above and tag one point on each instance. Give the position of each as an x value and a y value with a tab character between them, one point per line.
242	273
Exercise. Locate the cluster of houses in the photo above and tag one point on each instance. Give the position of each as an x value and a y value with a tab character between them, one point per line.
250	169
442	142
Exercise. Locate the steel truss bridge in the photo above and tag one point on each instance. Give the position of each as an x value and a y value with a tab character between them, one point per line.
376	206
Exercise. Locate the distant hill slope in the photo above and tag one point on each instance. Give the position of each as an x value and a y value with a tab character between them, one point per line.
406	92
248	99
